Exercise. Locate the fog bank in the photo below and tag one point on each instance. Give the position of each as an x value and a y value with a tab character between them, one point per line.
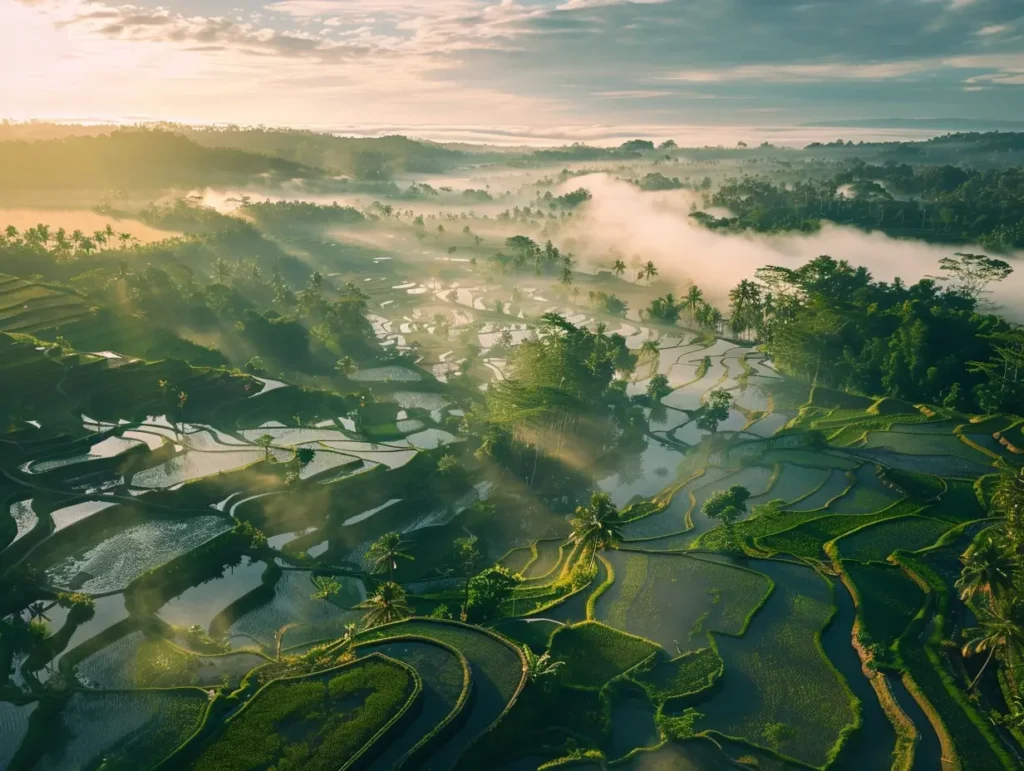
656	226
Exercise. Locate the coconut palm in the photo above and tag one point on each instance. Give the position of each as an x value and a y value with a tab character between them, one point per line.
693	300
618	268
540	666
649	270
650	348
999	629
326	587
595	526
385	552
385	605
989	568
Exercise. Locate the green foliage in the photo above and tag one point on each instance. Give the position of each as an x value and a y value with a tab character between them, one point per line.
658	387
887	601
316	722
487	591
877	541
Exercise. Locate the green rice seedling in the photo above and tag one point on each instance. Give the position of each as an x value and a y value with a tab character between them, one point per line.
690	673
446	685
809	538
497	675
316	722
136	728
593	653
876	541
887	601
780	691
675	599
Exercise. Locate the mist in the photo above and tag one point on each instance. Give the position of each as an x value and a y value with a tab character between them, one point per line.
645	226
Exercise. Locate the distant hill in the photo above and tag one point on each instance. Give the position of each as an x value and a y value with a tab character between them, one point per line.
132	158
360	157
923	124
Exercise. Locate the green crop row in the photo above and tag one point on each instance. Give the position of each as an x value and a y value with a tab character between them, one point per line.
311	723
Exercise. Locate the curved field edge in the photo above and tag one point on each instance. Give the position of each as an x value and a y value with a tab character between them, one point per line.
478	630
433	737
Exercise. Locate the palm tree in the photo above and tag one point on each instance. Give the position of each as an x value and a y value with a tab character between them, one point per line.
650	348
385	552
385	605
326	587
595	526
346	365
649	271
125	239
618	268
566	277
694	299
990	568
539	666
1001	628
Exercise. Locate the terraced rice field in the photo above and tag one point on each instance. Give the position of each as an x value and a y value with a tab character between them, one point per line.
675	600
138	728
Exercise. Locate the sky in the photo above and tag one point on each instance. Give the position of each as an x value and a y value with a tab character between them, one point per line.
556	67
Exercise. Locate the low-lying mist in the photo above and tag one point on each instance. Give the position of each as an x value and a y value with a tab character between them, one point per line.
643	226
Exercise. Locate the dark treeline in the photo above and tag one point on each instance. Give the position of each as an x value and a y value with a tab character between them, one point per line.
936	203
929	342
131	158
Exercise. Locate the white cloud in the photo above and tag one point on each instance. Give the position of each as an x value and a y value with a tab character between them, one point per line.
993	29
798	73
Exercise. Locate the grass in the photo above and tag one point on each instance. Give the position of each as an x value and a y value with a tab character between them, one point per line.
808	458
876	541
887	601
594	653
534	633
316	722
674	600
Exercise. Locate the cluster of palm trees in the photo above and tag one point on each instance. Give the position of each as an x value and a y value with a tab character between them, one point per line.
646	271
669	308
62	244
389	601
992	584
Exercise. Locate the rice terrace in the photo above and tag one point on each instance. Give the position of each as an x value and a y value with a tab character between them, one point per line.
358	453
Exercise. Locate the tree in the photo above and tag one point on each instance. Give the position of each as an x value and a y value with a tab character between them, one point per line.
650	348
970	274
539	667
385	552
326	587
346	365
305	455
447	464
658	387
649	270
266	441
487	591
595	526
618	268
989	568
386	605
727	506
466	556
715	410
693	300
1000	628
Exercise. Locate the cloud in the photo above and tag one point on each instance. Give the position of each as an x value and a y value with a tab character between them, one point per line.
563	61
